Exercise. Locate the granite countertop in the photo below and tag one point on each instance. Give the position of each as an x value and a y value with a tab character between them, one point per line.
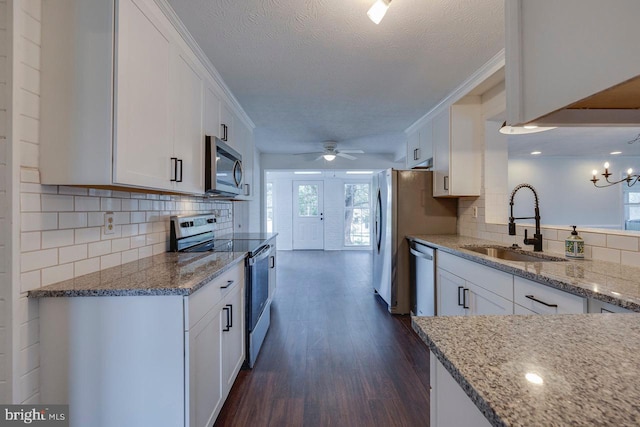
588	364
606	281
169	273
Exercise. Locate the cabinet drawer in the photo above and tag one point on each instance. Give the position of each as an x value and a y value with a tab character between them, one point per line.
518	309
493	280
543	299
212	293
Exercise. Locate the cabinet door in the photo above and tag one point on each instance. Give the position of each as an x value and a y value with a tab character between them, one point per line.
413	149
481	301
205	382
189	140
449	290
233	343
226	126
244	141
441	133
212	105
425	142
143	144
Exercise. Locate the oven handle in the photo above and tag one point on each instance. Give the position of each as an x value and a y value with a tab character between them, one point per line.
262	253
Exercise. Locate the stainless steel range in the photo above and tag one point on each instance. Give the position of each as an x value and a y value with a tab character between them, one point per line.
196	233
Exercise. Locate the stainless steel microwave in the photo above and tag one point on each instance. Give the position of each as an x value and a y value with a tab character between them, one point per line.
222	169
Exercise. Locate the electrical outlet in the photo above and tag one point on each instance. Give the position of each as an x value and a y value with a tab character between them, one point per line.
109	226
475	212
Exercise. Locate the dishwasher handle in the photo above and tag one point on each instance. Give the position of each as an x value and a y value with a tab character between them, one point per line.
261	254
419	254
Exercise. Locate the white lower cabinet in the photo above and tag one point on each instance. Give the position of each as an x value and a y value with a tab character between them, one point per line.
162	361
468	288
464	287
542	299
450	406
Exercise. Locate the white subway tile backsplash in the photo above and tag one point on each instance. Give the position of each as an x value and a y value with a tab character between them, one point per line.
111	260
57	238
95	219
110	204
99	192
622	242
630	258
38	259
86	235
130	205
119	245
73	253
129	256
129	230
145	251
145	228
99	248
120	218
138	241
594	239
72	220
30	280
56	203
145	205
57	274
606	254
86	266
29	175
30	202
38	221
138	217
30	241
87	204
73	191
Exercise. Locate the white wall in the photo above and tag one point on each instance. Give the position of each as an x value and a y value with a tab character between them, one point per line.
363	161
333	206
566	195
5	214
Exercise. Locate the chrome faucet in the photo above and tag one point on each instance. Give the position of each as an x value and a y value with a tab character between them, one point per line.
537	237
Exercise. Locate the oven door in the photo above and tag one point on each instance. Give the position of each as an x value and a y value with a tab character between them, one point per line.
223	168
258	285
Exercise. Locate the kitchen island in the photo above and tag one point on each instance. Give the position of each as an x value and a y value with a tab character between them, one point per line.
537	370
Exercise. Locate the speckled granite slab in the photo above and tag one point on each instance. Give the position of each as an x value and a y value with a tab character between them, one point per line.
169	273
588	364
606	281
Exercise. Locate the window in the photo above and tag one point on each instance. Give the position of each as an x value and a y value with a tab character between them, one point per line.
357	218
631	200
308	200
269	207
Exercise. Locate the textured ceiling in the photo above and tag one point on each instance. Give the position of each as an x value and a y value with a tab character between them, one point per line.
307	71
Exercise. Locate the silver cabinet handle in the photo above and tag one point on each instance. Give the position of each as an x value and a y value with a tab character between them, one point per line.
446	183
532	298
229	283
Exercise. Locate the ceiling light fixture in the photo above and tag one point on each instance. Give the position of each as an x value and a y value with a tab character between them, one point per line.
359	172
307	172
377	11
615	152
535	153
630	179
522	130
329	157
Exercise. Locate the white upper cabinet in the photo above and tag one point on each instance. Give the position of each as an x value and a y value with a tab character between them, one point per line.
420	145
457	148
227	131
188	144
125	101
559	53
143	143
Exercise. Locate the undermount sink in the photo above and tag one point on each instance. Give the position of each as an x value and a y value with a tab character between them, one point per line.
511	254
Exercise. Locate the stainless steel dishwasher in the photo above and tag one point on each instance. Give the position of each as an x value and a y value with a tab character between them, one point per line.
423	289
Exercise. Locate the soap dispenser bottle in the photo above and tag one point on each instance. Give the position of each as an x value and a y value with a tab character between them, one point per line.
574	245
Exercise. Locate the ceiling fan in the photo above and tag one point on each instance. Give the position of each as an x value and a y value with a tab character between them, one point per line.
331	152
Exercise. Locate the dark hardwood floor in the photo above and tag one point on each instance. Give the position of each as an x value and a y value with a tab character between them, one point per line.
333	356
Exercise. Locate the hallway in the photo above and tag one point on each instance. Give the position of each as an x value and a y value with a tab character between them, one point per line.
333	356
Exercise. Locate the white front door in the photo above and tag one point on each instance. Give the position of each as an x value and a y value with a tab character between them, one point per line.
308	219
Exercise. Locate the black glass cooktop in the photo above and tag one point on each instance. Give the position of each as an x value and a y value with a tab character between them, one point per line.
250	246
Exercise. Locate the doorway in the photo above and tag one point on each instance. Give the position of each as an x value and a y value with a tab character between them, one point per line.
308	216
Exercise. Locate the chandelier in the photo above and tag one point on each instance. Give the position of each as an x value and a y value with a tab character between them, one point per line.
630	179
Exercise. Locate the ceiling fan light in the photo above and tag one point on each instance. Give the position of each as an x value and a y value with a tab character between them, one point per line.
378	10
329	157
522	130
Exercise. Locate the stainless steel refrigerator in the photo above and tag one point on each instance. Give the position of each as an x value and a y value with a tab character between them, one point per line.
404	205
